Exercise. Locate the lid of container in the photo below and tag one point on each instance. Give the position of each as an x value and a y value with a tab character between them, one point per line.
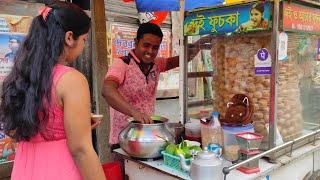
249	136
215	114
238	128
205	154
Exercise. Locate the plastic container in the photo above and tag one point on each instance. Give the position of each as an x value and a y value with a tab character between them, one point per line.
193	131
231	146
112	170
173	161
249	141
211	133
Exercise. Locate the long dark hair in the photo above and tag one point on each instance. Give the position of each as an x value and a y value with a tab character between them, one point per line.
27	89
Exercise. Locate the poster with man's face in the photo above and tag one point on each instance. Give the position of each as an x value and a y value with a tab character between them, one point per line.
9	44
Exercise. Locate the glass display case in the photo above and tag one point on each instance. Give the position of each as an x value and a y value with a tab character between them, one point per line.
200	77
271	60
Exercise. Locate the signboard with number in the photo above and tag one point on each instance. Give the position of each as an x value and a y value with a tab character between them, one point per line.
300	18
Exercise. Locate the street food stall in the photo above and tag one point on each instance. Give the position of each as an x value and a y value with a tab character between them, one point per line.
274	62
258	67
265	54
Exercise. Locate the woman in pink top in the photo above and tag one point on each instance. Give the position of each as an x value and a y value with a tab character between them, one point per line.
45	105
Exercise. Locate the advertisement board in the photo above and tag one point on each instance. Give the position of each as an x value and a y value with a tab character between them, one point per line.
247	17
299	18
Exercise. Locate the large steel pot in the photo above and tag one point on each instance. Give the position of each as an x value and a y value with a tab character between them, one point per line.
145	140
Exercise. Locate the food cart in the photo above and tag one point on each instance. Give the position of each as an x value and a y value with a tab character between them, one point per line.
266	50
274	60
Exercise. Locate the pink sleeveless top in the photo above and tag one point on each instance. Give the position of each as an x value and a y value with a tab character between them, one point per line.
47	155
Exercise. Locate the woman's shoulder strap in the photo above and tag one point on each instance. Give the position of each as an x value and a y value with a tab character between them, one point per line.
58	71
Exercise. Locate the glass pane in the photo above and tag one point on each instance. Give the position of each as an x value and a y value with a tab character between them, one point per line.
298	87
234	80
200	69
231	61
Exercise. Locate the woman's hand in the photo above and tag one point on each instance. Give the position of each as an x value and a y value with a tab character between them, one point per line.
95	124
95	121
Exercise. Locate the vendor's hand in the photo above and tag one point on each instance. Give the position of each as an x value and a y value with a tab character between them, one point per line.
143	118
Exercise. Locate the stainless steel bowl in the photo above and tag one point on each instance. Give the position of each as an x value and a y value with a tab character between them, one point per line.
145	140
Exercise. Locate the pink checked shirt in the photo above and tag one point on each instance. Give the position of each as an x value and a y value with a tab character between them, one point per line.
135	88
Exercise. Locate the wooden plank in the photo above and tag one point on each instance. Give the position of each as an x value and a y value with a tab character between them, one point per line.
204	102
100	66
200	74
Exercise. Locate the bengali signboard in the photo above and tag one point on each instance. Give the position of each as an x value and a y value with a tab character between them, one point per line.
249	17
122	40
300	18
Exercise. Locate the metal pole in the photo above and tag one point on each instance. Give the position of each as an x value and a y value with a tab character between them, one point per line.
100	66
226	170
183	85
273	89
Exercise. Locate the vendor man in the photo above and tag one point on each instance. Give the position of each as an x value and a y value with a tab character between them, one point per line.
130	85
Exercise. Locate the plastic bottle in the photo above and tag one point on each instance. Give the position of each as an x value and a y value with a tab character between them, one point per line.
216	142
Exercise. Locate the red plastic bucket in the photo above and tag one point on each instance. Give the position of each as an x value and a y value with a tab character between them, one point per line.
112	170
